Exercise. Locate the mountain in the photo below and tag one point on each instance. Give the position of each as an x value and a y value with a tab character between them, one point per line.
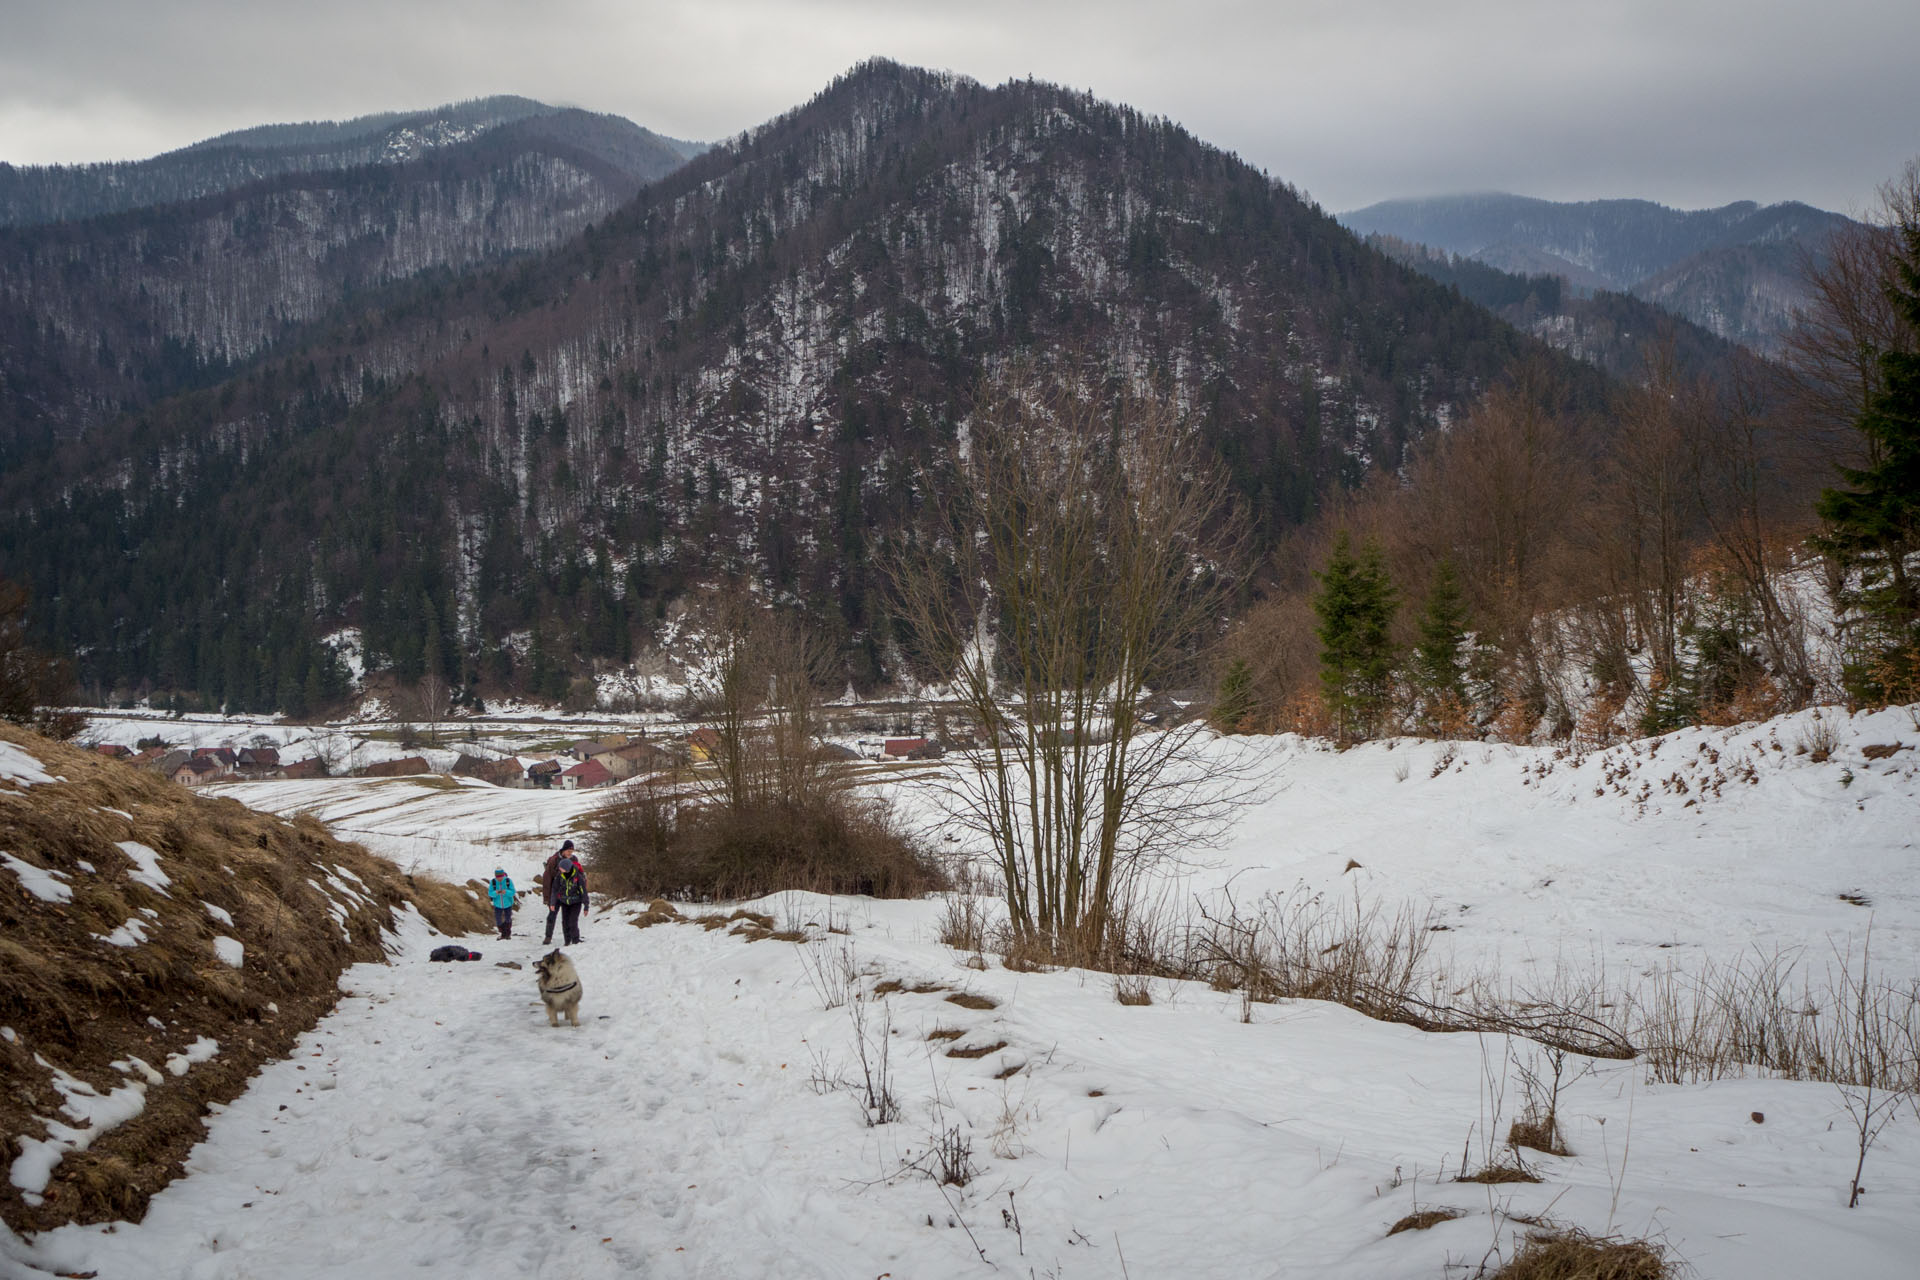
750	372
101	315
1612	331
32	194
1734	271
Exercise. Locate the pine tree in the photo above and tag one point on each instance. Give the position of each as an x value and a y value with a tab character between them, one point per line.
1356	606
1874	525
1233	702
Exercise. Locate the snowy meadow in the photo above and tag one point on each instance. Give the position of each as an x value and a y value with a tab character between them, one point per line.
811	1086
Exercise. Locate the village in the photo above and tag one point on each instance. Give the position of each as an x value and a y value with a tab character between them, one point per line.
582	765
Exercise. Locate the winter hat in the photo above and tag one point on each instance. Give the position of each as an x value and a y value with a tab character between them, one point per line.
567	844
498	872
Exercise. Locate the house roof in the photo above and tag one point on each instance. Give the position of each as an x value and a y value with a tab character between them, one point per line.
589	773
704	738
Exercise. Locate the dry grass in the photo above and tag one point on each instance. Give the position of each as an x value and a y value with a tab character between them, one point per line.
1500	1174
968	1000
946	1033
81	1004
976	1051
1132	989
1567	1253
1424	1219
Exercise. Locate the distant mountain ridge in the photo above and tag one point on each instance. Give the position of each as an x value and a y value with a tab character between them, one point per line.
1734	271
37	194
102	315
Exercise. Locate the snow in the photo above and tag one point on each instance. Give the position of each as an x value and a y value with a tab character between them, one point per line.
42	883
202	1049
146	865
18	767
701	1121
219	913
130	934
94	1112
230	951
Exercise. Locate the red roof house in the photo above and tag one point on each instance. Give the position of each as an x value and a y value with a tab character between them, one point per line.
588	773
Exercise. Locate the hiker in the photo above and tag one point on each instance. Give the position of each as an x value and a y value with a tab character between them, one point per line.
565	889
500	889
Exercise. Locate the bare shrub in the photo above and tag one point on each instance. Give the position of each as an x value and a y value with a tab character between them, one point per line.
1132	989
649	842
1819	739
1304	946
1082	557
965	922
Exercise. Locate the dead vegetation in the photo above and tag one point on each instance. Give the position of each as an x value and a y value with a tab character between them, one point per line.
1423	1219
1568	1253
303	906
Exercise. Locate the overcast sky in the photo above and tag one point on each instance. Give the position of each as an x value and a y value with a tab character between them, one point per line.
1690	102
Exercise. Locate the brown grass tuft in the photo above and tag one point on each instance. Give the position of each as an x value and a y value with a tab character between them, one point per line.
977	1051
946	1033
1424	1219
967	1000
1500	1173
1567	1253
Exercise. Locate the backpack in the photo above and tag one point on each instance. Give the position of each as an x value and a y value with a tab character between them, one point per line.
571	882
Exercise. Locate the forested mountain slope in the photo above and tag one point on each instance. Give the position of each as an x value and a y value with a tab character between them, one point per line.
1613	331
1734	271
738	376
103	315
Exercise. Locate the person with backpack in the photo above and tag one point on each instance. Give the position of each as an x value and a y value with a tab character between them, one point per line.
565	887
505	898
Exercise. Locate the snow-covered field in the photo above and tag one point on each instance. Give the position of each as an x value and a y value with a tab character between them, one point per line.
703	1120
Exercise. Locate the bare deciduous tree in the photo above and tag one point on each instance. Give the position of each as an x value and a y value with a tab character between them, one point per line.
1082	559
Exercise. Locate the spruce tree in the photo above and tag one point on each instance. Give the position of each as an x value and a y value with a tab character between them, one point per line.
1874	524
1435	665
1356	606
1233	702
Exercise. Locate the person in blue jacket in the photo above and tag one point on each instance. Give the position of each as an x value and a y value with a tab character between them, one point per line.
501	890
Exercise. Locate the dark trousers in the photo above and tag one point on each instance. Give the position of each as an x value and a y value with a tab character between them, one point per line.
570	921
553	913
503	921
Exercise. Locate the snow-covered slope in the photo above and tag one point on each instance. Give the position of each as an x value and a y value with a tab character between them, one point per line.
707	1119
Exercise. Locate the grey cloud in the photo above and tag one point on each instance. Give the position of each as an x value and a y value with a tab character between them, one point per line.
1688	101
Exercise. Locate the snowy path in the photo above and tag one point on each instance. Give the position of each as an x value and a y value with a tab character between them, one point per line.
435	1125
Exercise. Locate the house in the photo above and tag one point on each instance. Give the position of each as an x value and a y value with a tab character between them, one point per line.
166	763
541	773
308	768
501	773
634	759
703	744
258	762
114	751
587	749
903	748
615	741
224	755
198	771
403	768
588	773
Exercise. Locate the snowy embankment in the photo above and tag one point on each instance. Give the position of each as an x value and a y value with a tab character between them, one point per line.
707	1119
